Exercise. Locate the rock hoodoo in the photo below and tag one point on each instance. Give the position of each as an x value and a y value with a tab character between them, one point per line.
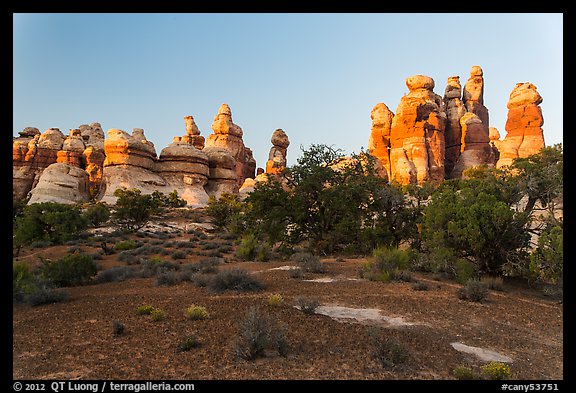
228	136
379	141
524	125
417	134
277	156
429	138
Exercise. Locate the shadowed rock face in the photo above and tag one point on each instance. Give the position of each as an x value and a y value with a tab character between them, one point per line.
222	172
61	183
185	169
455	109
524	125
417	134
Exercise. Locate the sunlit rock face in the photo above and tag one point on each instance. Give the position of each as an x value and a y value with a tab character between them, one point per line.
473	95
228	136
32	152
379	141
524	125
130	163
417	141
277	156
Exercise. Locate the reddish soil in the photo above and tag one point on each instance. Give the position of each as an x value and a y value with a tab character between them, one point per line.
74	339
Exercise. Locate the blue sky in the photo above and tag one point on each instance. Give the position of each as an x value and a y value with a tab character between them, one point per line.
316	76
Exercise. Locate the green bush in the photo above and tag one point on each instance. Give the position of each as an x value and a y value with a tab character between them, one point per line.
145	310
48	221
22	281
465	373
388	264
71	270
496	371
125	245
275	300
250	250
188	343
224	211
195	312
97	214
157	314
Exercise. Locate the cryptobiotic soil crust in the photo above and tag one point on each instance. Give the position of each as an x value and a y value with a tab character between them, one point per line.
74	339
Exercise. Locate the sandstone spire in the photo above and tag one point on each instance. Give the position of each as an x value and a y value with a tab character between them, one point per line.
524	125
379	141
277	156
417	134
455	109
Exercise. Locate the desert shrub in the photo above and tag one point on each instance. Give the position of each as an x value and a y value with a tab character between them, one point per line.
73	269
388	264
307	304
496	371
44	293
463	270
388	350
275	300
474	291
235	280
195	312
157	314
188	343
40	244
178	255
117	328
465	373
420	286
258	332
22	281
167	278
128	257
201	280
115	274
125	245
209	265
97	255
494	283
145	310
308	262
97	214
296	273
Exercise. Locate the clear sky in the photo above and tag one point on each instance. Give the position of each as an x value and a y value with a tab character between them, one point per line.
316	76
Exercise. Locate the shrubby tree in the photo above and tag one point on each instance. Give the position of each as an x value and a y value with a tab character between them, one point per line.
466	218
332	204
97	214
48	221
134	209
